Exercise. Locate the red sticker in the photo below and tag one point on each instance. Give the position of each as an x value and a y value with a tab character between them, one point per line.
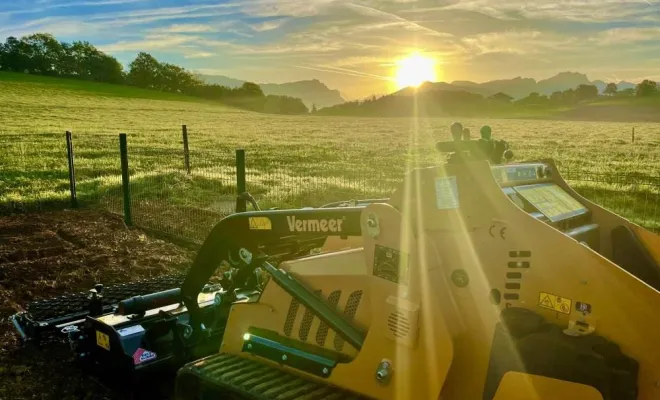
142	355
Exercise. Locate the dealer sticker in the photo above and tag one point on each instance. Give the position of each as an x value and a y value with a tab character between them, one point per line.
142	355
130	330
446	193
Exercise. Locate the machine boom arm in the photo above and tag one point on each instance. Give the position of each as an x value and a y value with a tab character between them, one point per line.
283	230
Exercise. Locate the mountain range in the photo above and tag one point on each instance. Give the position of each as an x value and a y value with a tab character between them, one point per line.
521	87
311	92
314	92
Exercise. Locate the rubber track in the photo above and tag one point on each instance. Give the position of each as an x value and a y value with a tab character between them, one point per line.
75	303
223	374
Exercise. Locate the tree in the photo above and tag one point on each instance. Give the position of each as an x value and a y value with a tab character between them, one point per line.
178	80
15	56
44	53
251	89
557	97
626	93
534	98
145	72
105	68
647	88
586	92
2	55
501	97
611	89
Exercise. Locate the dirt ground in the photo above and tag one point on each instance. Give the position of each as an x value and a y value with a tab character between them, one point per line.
52	253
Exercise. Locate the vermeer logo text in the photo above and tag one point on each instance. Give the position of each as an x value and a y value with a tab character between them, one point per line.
314	225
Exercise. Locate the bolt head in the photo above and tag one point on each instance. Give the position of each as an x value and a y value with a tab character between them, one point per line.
325	371
284	357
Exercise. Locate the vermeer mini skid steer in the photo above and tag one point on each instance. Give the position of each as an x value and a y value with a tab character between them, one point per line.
477	279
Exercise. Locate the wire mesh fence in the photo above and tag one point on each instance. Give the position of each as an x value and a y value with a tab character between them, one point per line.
34	172
299	180
634	196
168	198
186	199
98	171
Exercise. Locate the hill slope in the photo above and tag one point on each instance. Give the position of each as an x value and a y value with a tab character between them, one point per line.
36	104
9	81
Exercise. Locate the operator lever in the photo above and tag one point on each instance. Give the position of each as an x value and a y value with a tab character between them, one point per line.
95	300
461	148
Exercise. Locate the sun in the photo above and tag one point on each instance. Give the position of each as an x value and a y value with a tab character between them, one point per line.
414	70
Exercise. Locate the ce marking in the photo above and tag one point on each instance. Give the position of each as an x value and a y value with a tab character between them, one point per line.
502	232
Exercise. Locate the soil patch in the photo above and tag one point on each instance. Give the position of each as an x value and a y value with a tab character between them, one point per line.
52	253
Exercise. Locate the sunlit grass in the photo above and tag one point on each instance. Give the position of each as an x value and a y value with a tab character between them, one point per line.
292	161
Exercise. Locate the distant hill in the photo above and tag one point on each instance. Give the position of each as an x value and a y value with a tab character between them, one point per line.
309	91
521	87
433	99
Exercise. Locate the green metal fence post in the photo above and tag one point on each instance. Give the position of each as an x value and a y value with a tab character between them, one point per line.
241	203
72	170
186	151
123	149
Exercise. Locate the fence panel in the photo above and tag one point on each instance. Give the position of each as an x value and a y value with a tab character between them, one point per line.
633	196
98	170
168	199
299	180
34	171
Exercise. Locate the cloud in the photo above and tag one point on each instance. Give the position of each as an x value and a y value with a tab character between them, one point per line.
531	42
403	22
344	71
51	6
189	28
268	25
201	54
285	8
626	36
150	43
588	11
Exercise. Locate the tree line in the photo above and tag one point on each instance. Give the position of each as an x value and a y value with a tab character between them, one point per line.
448	102
42	54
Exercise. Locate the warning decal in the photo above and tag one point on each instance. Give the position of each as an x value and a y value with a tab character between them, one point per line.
555	303
103	340
260	223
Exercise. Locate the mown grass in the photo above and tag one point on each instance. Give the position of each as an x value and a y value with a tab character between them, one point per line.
292	161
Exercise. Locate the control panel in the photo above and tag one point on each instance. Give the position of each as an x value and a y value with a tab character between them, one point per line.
531	187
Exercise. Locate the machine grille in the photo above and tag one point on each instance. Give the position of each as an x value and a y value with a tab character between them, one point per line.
291	316
306	324
322	332
349	312
350	309
398	324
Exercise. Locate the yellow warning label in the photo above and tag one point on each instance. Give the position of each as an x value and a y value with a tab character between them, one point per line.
554	302
260	223
103	340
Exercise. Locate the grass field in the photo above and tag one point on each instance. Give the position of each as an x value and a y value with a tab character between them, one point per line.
292	160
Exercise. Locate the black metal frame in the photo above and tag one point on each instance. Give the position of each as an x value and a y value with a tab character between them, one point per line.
277	239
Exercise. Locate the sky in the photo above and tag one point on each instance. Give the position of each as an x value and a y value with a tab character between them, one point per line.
352	46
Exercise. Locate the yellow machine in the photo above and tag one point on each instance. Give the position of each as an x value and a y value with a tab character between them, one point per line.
477	279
